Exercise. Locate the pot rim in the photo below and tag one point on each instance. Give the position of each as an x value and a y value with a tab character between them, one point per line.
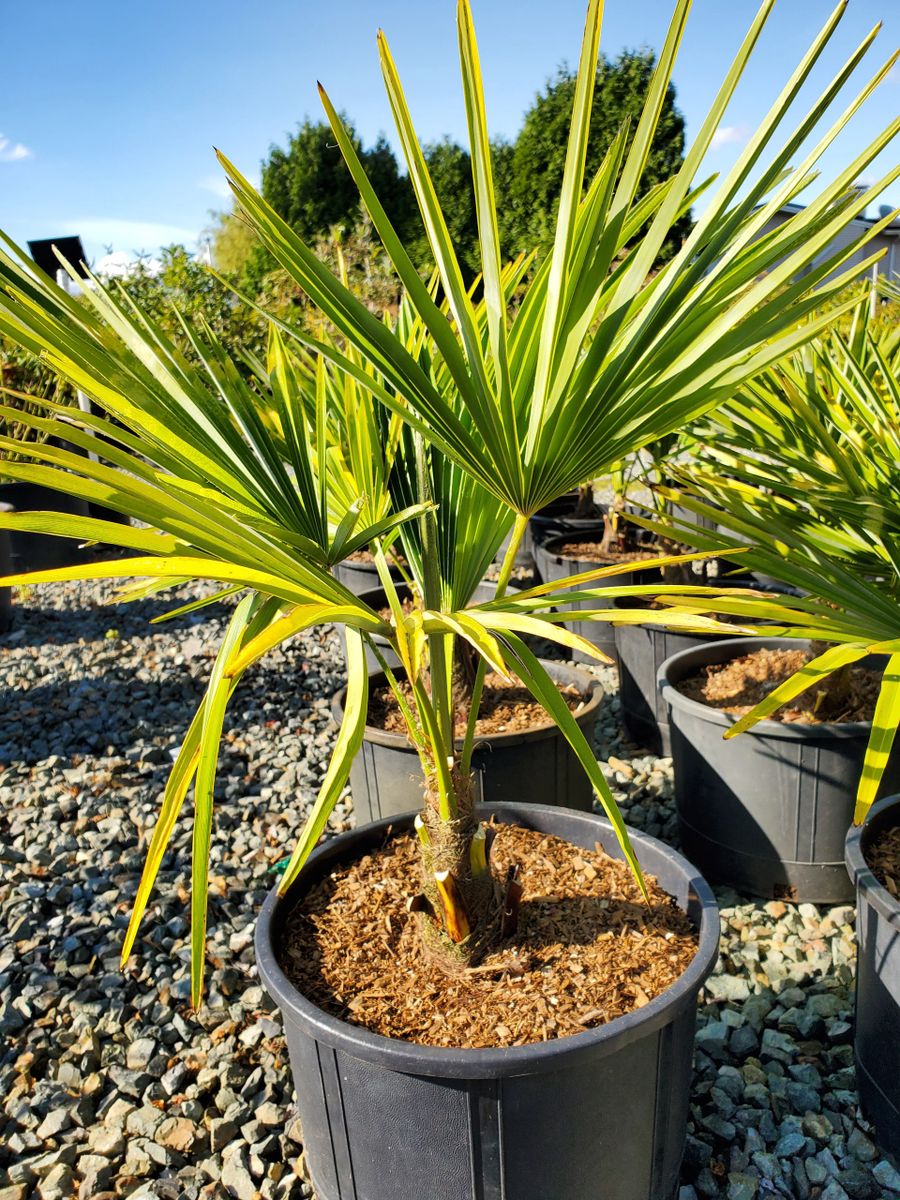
399	741
857	842
785	730
495	1062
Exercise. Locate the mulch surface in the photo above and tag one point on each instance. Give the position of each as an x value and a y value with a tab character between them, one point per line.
739	685
588	948
884	858
592	552
506	707
366	556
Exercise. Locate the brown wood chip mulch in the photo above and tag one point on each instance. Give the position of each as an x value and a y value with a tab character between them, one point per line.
883	857
738	685
366	556
588	948
506	707
593	552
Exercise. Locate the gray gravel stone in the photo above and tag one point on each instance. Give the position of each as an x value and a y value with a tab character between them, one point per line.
833	1191
887	1176
236	1177
56	1184
742	1186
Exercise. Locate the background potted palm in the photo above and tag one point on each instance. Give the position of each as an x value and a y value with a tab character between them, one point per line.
595	363
802	465
813	459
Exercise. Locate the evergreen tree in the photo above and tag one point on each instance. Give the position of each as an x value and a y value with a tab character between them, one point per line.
540	149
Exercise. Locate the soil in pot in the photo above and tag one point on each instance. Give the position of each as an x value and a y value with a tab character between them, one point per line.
767	812
641	651
573	513
587	950
359	573
527	760
883	856
506	707
367	558
594	552
741	683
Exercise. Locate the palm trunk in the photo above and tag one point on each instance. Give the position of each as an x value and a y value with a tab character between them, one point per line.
460	912
462	908
611	521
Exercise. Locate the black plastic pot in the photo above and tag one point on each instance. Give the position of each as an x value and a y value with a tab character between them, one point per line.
6	568
552	566
42	551
376	598
680	513
601	1113
536	766
361	577
877	1039
768	812
641	651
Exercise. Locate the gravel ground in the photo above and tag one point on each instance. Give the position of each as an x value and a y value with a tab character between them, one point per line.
111	1086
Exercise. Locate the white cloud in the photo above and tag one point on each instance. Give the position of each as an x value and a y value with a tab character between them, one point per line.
131	236
728	135
12	151
218	185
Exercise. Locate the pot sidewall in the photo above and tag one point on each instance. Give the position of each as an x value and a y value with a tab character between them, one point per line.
552	567
877	1032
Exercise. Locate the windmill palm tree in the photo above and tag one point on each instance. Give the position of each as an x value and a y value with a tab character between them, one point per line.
498	408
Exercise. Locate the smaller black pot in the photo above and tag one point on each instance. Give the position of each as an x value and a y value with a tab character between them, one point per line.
536	766
877	1039
552	567
362	577
641	651
602	1112
768	812
681	514
42	551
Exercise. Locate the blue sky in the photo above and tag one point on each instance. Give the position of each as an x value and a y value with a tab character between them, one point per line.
110	111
